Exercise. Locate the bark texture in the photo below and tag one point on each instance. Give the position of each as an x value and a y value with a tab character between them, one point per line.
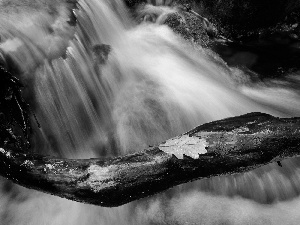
228	146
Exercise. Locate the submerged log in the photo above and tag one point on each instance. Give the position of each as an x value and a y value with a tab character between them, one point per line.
228	146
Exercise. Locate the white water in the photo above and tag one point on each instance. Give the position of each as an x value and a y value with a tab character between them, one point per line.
154	86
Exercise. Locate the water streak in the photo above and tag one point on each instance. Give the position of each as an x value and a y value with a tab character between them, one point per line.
153	86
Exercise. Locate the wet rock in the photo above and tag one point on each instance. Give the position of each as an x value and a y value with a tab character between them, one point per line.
267	59
238	19
14	114
189	27
242	18
182	20
100	53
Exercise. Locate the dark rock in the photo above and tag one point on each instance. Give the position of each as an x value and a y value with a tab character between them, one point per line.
266	58
15	125
190	28
236	17
101	52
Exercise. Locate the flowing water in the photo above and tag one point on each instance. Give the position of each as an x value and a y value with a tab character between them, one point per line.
153	86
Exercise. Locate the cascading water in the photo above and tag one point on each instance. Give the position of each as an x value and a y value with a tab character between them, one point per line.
153	86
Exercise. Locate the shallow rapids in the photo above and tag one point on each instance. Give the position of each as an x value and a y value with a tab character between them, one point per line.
153	86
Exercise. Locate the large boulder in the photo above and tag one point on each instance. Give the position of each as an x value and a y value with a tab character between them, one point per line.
236	17
243	16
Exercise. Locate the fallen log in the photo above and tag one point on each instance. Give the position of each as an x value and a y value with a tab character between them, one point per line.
228	146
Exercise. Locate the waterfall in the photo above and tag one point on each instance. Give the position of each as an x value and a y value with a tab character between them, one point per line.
153	86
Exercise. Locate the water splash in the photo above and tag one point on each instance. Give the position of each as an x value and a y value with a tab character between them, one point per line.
154	86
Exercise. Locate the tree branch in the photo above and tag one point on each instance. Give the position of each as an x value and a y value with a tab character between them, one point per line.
228	146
